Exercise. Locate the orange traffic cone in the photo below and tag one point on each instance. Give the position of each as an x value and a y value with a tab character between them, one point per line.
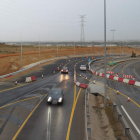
62	64
118	92
117	74
128	99
15	82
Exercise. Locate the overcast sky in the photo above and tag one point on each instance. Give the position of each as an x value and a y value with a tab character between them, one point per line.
58	20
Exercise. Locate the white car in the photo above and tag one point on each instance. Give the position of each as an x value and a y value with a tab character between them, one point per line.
83	67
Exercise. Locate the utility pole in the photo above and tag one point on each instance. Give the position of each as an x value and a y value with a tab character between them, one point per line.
91	47
57	49
39	49
82	29
113	40
21	46
74	48
105	79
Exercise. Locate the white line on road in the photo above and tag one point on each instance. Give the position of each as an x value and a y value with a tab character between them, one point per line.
131	120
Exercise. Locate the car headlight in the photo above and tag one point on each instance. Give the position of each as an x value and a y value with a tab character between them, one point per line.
60	100
49	99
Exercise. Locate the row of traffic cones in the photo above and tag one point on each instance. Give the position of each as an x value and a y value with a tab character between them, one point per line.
128	99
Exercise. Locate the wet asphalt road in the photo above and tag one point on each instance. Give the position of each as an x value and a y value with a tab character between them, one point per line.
51	122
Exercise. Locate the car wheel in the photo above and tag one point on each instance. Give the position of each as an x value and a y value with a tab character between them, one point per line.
49	103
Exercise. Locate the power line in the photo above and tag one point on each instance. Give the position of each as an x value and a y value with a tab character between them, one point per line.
82	29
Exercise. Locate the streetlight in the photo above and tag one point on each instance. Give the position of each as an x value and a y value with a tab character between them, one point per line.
74	48
105	99
39	49
57	49
113	38
91	47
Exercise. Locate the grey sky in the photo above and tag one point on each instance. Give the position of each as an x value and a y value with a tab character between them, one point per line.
58	20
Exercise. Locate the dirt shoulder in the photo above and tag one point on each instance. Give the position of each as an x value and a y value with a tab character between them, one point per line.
10	57
103	122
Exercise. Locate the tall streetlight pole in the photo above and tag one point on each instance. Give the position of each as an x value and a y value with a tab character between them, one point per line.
91	47
110	48
74	48
39	50
57	49
105	99
113	38
21	46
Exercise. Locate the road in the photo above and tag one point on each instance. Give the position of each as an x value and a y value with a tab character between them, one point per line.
132	107
52	122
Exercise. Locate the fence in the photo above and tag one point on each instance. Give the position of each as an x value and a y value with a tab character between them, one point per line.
127	130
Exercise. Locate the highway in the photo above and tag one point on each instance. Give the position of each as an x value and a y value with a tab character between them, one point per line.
133	107
48	121
53	122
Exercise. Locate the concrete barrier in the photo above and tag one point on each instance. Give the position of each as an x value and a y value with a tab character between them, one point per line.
28	79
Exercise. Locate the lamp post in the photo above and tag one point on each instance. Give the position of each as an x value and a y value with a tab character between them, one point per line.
39	49
113	38
74	48
105	79
57	49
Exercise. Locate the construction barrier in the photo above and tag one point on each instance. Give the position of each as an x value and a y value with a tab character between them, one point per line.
30	79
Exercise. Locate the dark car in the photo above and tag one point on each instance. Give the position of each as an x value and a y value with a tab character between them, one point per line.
64	70
56	96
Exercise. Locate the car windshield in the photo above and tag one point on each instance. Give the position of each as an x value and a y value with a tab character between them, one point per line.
55	92
65	68
83	66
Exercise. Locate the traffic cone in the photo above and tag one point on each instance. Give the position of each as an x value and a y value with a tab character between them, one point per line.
117	74
86	78
118	92
128	99
15	82
54	72
62	64
133	78
94	81
42	75
80	75
57	68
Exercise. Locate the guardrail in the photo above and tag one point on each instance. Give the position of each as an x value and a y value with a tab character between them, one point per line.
128	131
87	115
37	63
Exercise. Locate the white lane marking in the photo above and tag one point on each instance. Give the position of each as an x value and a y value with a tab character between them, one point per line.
131	120
49	125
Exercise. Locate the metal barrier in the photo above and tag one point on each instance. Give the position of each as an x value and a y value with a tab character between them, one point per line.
87	115
128	131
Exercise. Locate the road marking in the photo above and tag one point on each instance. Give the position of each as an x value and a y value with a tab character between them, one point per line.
32	82
135	71
113	90
20	101
49	125
127	65
19	130
130	120
72	113
75	94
